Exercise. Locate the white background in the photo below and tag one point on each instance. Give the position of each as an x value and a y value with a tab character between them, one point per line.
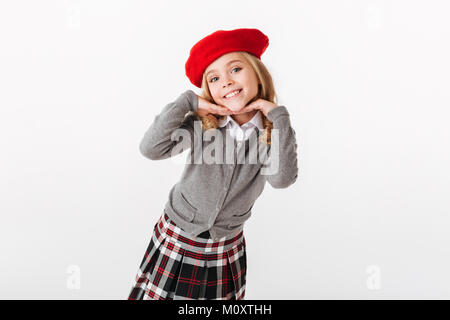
366	84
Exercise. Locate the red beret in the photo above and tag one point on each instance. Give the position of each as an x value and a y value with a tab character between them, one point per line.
208	49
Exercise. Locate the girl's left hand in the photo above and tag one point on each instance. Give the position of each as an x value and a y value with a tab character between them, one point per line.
260	104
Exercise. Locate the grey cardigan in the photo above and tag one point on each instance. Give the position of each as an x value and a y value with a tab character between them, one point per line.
217	196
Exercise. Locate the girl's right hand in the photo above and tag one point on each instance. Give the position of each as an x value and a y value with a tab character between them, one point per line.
205	107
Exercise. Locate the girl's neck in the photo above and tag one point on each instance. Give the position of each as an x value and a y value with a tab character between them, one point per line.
244	117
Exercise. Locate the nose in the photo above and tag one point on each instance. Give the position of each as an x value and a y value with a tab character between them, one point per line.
227	82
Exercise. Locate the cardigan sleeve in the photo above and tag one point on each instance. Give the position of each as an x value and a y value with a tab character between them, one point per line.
287	171
164	133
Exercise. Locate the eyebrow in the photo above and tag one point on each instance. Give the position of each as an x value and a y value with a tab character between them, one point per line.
229	62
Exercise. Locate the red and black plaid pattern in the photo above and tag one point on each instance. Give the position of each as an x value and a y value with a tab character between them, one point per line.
178	266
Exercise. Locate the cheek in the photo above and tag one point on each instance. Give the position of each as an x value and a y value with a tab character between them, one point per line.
248	80
214	93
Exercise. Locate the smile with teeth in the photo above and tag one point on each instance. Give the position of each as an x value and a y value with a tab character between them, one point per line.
233	94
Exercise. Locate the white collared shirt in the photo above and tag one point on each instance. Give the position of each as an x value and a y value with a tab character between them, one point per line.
241	133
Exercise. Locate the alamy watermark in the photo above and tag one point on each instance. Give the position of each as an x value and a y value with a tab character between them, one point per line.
215	147
73	281
373	281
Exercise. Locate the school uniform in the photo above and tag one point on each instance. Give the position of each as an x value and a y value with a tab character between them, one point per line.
197	249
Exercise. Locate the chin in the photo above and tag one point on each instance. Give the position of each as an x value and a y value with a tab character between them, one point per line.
234	107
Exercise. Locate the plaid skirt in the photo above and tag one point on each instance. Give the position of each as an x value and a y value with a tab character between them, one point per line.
178	266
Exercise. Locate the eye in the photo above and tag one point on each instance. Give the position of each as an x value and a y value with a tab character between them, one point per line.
239	68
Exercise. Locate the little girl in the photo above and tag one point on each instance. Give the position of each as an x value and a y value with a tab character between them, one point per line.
197	249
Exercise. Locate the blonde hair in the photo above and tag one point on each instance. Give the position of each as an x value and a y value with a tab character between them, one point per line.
266	91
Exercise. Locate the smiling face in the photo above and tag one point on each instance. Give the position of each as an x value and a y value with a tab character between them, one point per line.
232	81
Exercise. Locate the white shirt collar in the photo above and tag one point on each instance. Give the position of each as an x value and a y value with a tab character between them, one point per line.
257	121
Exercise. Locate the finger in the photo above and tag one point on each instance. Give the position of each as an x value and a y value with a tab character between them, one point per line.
222	111
252	106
